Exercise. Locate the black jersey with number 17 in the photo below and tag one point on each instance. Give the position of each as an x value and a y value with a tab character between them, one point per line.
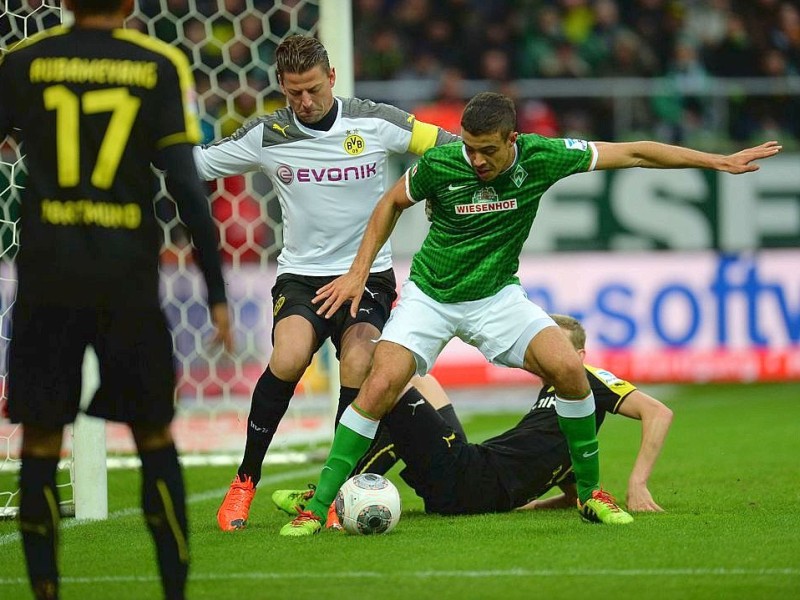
93	108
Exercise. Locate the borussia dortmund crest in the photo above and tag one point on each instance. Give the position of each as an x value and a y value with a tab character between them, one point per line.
354	143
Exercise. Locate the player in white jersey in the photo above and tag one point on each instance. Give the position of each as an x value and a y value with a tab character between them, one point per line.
327	160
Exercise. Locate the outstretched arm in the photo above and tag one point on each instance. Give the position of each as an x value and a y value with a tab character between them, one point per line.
656	420
654	155
350	286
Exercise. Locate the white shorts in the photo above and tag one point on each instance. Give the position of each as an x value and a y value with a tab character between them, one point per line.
500	326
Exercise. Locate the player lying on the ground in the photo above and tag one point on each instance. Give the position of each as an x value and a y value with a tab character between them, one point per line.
514	468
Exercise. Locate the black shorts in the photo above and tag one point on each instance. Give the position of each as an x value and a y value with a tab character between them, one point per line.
452	476
292	295
134	351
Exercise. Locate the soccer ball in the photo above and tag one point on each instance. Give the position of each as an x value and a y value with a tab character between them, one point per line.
367	504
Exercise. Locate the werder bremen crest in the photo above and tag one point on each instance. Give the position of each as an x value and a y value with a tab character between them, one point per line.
519	175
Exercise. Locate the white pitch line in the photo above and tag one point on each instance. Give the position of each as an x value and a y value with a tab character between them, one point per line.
714	572
192	499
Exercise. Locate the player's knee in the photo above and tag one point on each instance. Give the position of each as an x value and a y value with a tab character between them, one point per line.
41	442
289	364
379	394
151	437
569	376
354	367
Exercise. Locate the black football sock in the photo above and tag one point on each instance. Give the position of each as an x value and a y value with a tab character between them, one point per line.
270	402
381	455
164	506
448	413
38	523
346	397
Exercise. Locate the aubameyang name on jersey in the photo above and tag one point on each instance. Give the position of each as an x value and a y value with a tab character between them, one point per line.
310	174
483	207
94	70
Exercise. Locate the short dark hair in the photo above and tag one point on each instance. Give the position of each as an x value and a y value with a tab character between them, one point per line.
577	334
96	7
300	53
489	112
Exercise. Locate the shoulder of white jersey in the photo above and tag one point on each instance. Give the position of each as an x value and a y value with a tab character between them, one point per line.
276	128
279	128
356	108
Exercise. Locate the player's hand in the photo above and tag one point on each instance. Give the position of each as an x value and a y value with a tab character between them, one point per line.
220	317
331	296
742	161
640	500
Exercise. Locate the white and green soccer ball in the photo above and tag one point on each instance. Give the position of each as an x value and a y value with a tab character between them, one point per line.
368	504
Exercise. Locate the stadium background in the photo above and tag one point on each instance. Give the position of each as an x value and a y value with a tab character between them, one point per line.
678	276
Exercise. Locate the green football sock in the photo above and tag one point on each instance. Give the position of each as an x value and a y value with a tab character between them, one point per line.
584	450
349	445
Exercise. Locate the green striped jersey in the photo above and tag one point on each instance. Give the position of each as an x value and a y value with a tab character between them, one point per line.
478	228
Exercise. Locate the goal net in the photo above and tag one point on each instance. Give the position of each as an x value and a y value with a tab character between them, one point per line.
230	46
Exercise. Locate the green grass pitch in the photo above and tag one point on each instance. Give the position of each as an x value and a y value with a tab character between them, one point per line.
729	479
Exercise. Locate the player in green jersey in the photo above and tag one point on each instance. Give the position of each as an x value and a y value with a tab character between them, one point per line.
484	193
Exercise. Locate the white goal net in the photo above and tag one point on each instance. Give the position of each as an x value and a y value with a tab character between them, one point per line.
230	45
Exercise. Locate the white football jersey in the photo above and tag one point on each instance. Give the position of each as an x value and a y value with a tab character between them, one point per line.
327	182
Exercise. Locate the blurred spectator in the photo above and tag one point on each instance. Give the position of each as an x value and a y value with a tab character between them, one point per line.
674	109
786	35
564	61
629	57
386	57
657	23
424	65
445	110
535	116
578	19
443	42
494	65
734	55
409	18
705	21
540	42
598	46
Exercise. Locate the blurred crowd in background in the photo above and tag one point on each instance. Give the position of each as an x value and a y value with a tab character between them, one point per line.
451	48
501	42
681	41
511	39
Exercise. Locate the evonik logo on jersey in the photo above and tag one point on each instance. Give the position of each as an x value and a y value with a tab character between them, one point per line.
288	174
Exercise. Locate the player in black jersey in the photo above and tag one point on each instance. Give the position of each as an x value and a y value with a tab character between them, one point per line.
515	468
94	105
